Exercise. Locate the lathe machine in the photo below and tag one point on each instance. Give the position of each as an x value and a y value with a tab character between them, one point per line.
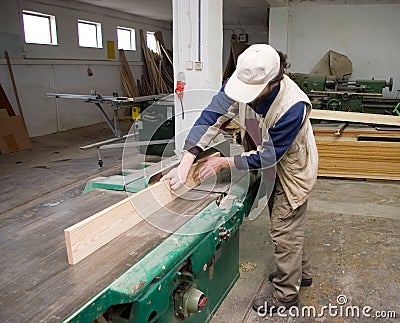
344	95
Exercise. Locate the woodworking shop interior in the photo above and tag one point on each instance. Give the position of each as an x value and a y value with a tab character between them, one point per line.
97	98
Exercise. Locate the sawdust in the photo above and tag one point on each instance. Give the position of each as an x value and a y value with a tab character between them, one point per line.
247	266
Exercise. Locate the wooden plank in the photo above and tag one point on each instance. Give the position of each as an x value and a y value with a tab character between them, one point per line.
354	132
21	113
85	237
355	117
127	78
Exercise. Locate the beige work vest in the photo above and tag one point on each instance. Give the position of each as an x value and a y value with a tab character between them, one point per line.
297	169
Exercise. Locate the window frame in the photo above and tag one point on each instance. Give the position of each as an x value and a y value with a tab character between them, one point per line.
132	34
99	36
52	27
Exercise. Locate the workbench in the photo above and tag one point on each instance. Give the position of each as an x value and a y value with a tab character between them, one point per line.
117	103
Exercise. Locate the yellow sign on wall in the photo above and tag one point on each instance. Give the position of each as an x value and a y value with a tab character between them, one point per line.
110	49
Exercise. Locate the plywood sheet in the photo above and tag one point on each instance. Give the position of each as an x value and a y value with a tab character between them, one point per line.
13	136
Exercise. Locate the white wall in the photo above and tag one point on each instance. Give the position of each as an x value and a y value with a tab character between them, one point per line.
367	34
257	34
39	69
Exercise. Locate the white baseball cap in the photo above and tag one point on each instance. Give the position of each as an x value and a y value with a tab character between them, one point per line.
256	67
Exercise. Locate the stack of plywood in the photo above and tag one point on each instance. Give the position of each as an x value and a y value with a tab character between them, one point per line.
358	152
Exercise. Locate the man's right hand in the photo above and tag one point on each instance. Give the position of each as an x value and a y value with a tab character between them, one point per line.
178	176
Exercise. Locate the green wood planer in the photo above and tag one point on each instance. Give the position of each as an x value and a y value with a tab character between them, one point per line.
176	265
187	275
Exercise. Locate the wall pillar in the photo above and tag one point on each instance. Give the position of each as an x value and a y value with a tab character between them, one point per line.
197	50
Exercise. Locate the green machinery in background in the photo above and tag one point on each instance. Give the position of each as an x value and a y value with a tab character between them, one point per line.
344	95
157	122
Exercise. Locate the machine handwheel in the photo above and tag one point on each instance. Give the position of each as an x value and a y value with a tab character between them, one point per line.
333	104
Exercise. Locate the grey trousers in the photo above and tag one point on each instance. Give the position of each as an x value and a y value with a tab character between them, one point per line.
287	233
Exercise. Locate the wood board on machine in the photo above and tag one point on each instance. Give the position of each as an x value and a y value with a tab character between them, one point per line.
87	236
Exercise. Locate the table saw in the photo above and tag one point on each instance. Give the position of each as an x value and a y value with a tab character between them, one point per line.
143	275
117	103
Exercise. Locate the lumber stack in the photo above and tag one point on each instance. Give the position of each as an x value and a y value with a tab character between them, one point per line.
158	71
128	81
358	152
156	79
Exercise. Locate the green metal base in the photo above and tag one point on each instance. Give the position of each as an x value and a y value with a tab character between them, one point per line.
214	281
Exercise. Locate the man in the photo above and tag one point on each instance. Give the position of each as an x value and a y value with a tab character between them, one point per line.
282	139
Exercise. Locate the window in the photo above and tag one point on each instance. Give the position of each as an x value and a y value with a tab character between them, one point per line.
152	42
39	28
126	38
89	34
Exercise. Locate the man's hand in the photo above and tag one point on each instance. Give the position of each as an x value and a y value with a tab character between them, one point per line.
178	176
211	166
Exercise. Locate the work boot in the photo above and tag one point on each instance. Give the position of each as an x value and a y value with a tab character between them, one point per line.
265	305
305	282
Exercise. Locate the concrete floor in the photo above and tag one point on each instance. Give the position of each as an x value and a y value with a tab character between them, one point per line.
353	231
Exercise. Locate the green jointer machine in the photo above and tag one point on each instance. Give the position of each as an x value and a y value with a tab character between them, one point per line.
187	276
177	265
